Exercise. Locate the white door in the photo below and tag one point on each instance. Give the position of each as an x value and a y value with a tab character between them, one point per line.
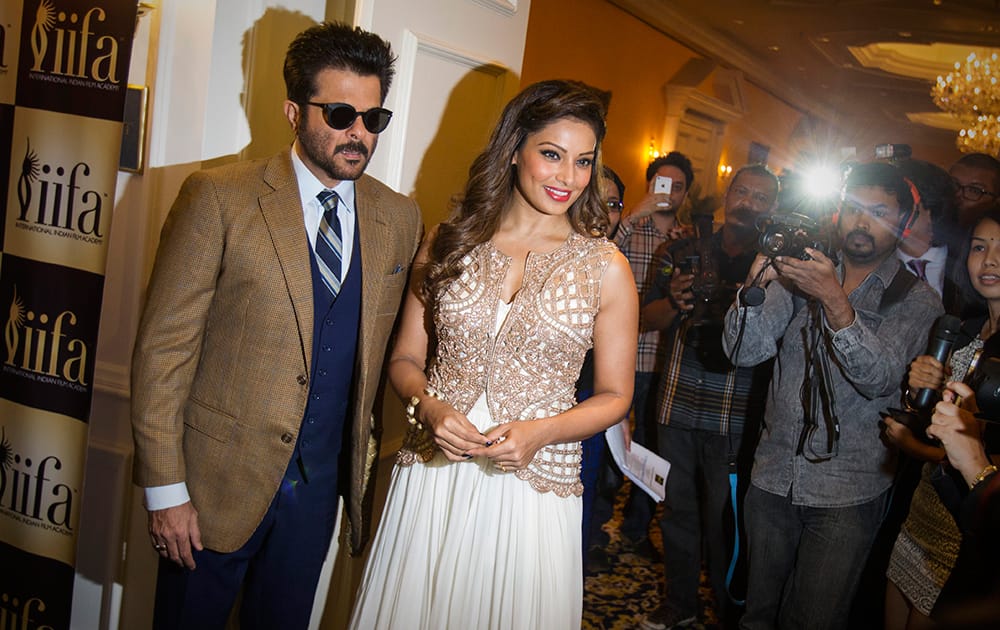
697	139
459	63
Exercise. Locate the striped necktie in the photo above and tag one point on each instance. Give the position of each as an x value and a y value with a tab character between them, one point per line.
919	267
329	245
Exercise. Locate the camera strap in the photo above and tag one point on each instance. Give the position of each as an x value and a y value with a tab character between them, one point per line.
817	387
817	392
900	285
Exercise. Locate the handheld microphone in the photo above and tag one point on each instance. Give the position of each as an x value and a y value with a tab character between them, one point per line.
942	340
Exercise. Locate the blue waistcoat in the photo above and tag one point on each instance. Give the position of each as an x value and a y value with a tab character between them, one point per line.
335	341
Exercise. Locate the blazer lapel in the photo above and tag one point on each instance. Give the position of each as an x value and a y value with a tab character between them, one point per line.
375	234
282	210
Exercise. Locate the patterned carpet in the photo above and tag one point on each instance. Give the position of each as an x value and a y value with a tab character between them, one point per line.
631	587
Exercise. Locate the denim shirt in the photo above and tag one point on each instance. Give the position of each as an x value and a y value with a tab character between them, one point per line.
868	361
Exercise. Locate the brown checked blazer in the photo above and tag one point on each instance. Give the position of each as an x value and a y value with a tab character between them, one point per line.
221	368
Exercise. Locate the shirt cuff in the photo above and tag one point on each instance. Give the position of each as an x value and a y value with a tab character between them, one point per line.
849	336
163	497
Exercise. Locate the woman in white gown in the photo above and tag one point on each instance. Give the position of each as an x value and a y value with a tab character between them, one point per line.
482	525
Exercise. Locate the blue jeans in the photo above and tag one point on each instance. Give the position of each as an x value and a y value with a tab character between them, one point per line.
805	562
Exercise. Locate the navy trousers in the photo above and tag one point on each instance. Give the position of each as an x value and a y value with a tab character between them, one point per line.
278	568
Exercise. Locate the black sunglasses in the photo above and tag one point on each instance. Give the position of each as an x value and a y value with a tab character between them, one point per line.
340	116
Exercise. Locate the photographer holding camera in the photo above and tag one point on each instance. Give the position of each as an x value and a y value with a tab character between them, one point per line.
842	336
703	401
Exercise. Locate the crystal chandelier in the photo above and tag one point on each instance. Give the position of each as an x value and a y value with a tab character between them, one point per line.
971	93
980	136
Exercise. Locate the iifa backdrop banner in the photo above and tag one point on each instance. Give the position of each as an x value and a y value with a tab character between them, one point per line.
63	77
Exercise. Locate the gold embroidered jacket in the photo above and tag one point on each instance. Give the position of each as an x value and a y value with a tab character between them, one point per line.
529	367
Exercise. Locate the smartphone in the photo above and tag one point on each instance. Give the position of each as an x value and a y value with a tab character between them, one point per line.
663	185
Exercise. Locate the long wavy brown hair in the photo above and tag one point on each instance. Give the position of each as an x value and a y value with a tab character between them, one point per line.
476	215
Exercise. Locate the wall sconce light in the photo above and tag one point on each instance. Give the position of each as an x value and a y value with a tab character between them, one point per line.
651	152
725	170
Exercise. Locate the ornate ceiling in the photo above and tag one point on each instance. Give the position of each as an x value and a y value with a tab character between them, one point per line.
862	67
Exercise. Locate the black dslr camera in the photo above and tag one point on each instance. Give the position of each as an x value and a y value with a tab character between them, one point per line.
984	379
789	235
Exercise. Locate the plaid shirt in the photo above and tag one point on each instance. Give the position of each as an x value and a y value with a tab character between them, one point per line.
699	388
639	242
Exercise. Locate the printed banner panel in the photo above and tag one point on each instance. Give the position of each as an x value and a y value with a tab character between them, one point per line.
63	77
33	591
6	132
50	336
10	28
74	56
61	194
41	475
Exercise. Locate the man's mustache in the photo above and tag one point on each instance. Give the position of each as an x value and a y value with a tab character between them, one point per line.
862	234
743	212
353	147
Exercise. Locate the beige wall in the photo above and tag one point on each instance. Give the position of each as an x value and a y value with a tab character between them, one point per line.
600	44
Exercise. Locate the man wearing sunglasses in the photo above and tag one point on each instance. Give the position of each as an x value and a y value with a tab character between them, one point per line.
274	291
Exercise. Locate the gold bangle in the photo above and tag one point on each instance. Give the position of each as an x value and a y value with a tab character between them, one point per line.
983	474
411	410
414	402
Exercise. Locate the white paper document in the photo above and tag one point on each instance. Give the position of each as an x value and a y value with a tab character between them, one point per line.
643	467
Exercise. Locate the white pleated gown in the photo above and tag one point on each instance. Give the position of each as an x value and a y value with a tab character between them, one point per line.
464	546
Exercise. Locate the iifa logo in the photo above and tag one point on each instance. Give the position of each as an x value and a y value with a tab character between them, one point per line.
29	493
36	343
62	44
17	615
53	197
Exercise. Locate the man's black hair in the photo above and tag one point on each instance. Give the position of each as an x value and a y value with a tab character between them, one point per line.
675	159
888	178
337	46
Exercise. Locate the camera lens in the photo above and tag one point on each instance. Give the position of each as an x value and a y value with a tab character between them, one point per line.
773	243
